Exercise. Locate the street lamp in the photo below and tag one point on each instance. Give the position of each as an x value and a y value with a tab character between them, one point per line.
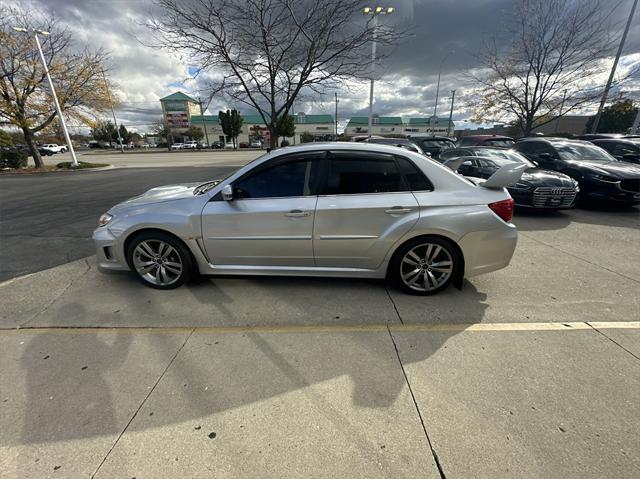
53	91
375	12
435	108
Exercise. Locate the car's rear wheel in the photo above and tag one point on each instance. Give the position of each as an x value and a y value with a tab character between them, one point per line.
425	266
160	260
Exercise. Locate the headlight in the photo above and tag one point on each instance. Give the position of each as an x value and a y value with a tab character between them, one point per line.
608	179
105	219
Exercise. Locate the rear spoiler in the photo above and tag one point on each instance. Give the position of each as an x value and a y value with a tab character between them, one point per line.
506	175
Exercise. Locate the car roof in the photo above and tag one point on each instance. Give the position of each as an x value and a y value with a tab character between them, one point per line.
484	137
338	145
425	136
616	140
553	139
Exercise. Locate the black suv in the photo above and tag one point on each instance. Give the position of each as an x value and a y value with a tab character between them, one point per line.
600	176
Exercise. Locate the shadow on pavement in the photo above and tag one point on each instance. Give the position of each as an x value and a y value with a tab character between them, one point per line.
218	372
542	220
67	396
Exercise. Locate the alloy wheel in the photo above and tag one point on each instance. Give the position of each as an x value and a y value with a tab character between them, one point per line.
157	262
426	267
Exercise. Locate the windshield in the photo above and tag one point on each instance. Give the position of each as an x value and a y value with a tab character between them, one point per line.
206	186
443	144
582	152
505	143
509	155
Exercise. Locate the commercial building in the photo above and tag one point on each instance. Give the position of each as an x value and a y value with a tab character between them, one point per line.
178	109
395	125
320	127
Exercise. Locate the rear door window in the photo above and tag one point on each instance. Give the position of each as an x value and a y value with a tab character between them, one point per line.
362	173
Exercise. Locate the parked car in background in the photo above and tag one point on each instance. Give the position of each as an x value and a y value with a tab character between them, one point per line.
487	140
400	142
624	149
255	144
243	144
190	145
217	145
46	151
601	176
598	136
230	145
177	146
537	188
54	148
344	209
433	145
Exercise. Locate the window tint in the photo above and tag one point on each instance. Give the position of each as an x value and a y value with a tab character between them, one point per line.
414	177
287	179
362	173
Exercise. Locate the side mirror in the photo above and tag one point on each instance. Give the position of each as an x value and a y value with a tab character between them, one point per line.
227	193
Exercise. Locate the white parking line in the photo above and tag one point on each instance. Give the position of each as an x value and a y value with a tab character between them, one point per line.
337	328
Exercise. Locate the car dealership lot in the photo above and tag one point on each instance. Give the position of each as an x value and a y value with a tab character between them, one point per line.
531	371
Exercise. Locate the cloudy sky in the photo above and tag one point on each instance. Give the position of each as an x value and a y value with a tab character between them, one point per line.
440	27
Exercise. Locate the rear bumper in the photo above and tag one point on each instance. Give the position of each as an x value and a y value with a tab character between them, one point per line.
108	253
486	251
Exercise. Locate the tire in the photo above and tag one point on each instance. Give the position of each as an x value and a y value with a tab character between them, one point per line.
425	266
160	260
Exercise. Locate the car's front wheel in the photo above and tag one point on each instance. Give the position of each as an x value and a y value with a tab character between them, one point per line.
160	260
425	266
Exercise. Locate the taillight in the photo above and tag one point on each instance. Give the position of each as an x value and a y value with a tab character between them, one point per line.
504	209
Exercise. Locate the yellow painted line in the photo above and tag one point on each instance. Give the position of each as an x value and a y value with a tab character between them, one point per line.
336	328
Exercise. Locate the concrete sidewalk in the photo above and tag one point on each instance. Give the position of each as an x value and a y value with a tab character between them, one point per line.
530	372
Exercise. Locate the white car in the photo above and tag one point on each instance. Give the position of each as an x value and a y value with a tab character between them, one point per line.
177	146
255	144
54	148
356	210
229	145
190	145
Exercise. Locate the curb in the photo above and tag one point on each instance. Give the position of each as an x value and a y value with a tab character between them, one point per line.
61	170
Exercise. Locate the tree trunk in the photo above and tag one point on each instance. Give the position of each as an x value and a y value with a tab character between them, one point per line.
273	141
35	154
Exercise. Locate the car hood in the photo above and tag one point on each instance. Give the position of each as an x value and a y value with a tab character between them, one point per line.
160	195
618	169
542	177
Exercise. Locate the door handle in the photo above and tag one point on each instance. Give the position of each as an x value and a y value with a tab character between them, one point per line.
397	210
296	213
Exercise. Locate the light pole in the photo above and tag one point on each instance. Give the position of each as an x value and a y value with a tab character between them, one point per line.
375	12
115	122
594	128
435	108
453	97
53	91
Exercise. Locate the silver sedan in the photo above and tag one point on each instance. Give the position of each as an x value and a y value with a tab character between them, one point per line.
334	209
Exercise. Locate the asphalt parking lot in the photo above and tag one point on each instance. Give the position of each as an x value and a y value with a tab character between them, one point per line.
531	371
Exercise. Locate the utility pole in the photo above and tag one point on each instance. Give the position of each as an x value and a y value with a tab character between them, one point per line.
453	97
53	91
336	118
594	128
115	122
204	125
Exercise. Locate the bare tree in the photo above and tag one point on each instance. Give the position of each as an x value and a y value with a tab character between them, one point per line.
547	63
25	100
267	53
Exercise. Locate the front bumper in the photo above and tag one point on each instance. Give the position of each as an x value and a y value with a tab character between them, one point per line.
109	253
551	198
608	192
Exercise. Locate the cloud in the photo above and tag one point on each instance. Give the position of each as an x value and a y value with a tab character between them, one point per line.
408	73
